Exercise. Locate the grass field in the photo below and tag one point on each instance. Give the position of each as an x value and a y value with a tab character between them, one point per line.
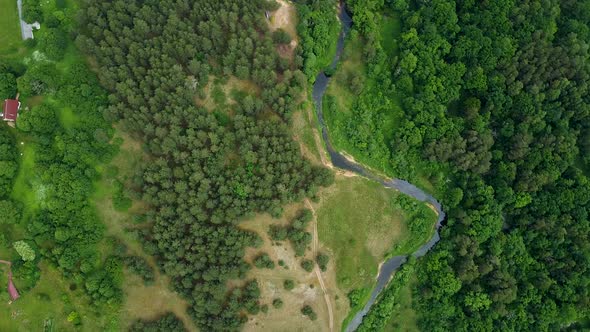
10	35
358	220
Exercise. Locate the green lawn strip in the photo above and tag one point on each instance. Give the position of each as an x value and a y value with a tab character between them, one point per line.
390	30
27	188
10	34
304	128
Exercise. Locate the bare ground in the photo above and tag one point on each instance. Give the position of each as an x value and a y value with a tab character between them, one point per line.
285	18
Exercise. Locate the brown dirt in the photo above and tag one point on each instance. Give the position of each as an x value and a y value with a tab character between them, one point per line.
285	18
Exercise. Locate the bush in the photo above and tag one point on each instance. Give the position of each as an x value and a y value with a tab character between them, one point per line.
54	43
307	265
281	36
354	296
121	202
277	303
141	267
289	284
263	261
322	260
308	311
32	11
7	86
169	323
24	250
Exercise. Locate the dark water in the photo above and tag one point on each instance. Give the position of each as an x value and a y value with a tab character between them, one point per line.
338	160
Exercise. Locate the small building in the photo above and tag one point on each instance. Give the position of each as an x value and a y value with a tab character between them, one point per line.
10	110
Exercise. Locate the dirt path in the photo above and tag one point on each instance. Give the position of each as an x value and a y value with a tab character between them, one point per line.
317	269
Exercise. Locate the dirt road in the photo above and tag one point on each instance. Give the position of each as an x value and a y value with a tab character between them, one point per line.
317	269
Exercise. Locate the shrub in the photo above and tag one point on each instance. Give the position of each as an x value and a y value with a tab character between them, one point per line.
277	303
289	284
263	261
307	265
322	260
308	311
281	36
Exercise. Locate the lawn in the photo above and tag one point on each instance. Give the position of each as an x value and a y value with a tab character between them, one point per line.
390	30
359	221
10	35
28	188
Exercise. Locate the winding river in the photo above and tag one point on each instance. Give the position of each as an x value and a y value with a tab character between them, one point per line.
338	160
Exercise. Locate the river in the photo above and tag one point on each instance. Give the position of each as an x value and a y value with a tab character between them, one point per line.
338	160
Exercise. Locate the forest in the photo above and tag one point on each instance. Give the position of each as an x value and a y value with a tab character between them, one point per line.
209	169
485	104
495	96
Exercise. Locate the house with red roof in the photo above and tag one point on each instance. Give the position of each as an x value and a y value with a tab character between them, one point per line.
10	110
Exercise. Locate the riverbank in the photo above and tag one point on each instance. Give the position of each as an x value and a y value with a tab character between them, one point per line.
344	162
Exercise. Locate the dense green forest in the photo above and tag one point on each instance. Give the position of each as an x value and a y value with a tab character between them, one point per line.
495	95
210	168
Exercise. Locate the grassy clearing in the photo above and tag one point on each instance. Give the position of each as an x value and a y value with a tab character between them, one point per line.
390	30
68	118
304	124
10	34
28	188
359	221
150	302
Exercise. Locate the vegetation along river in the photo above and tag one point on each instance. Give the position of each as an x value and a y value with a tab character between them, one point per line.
392	264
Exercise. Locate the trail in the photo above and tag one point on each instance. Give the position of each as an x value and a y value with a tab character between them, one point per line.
317	269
